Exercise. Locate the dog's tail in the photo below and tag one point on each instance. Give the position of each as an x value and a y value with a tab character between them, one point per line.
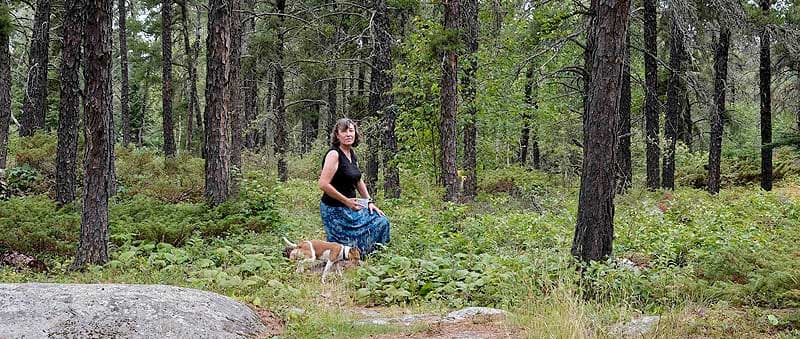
289	242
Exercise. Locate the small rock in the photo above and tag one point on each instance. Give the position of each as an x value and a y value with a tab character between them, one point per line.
367	313
297	310
471	312
406	320
635	328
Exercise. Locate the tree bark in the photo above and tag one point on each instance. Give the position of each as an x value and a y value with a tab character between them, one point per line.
720	77
216	116
5	82
651	94
66	152
34	107
470	24
124	94
624	169
673	105
145	101
191	61
362	70
199	115
765	93
588	58
686	108
449	103
93	243
278	103
309	128
331	102
594	231
250	82
797	93
381	99
235	90
522	154
166	76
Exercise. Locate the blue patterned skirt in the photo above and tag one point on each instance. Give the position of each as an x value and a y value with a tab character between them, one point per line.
360	229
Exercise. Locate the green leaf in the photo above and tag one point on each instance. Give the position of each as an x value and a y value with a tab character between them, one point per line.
773	320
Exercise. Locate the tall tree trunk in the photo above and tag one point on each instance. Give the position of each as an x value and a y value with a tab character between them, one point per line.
361	79
673	105
112	133
93	243
124	92
625	171
66	153
235	90
5	82
250	82
651	94
765	91
353	78
331	102
145	100
535	153
686	107
308	129
191	62
720	77
594	231
268	102
522	154
250	108
381	99
449	103
588	59
199	115
469	10
166	74
797	93
216	116
278	103
34	107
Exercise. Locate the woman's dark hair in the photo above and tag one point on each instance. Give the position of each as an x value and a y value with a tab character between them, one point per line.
341	125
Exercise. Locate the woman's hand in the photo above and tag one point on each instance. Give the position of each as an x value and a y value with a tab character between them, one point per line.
353	204
374	208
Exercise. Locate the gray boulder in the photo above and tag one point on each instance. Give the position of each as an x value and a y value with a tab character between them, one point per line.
122	311
635	328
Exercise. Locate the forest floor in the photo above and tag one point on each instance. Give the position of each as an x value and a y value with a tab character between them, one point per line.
708	266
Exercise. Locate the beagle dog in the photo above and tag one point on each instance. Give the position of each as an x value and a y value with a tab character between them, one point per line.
313	250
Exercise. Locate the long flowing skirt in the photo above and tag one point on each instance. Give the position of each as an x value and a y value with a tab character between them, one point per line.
362	229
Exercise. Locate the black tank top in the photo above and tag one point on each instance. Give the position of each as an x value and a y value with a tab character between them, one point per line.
345	178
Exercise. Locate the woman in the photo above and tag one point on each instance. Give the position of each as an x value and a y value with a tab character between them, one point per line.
347	220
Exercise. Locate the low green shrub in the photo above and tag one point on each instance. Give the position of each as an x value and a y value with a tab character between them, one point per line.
142	172
456	281
35	225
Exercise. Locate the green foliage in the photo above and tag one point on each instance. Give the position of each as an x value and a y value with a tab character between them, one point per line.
142	172
39	152
739	166
34	224
456	280
22	178
6	26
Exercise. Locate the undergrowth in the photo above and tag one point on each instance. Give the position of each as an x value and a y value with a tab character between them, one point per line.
509	249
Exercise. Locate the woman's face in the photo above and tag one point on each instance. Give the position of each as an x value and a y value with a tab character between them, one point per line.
347	136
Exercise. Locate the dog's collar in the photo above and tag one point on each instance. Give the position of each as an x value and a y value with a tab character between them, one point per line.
345	251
